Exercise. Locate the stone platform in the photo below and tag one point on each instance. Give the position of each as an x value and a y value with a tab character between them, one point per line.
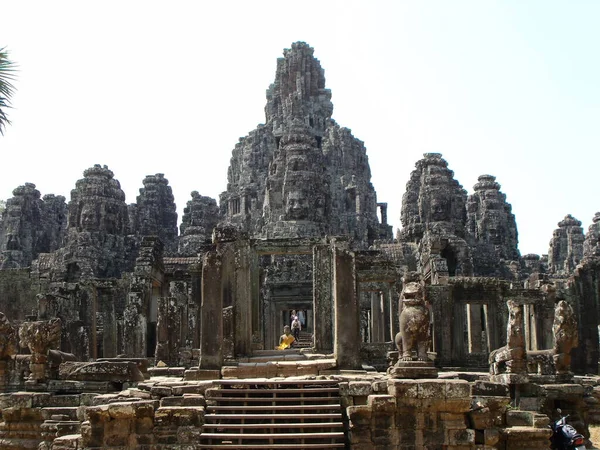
413	370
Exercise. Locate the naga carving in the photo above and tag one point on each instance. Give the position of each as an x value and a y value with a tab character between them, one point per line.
413	339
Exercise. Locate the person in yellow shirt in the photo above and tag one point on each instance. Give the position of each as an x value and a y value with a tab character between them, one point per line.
286	339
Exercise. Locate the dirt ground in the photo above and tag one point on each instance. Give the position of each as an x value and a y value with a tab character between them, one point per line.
595	435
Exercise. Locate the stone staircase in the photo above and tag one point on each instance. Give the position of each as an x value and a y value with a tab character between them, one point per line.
272	414
29	418
305	340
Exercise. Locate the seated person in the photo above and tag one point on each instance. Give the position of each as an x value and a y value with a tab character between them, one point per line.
286	340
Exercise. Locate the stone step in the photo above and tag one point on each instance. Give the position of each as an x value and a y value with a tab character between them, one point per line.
270	426
274	381
306	391
274	399
281	416
253	408
60	413
263	436
289	445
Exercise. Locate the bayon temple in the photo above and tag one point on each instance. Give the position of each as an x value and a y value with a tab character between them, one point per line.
121	330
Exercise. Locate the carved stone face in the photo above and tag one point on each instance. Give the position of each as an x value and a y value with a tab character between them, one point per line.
440	209
89	218
296	207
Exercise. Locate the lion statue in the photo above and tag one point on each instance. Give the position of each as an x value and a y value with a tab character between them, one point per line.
413	339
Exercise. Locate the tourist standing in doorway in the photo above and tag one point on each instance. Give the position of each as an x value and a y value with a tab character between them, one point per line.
296	327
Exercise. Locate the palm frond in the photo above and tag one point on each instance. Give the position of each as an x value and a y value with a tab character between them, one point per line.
7	89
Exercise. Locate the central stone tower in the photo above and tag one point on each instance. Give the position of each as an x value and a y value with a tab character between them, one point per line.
301	174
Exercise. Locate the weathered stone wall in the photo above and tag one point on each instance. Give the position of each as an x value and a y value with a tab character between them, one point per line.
17	293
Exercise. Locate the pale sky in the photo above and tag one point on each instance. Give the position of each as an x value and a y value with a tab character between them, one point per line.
509	88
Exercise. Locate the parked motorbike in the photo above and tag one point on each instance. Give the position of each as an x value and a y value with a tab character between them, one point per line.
564	436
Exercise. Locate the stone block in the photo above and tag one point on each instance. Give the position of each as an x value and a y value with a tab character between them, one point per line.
202	374
116	432
143	425
360	388
460	437
491	436
518	418
121	411
403	389
381	403
380	387
161	391
97	414
360	416
457	389
359	436
481	419
432	389
488	389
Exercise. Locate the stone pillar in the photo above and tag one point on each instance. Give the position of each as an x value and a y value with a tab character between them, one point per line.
377	320
106	302
322	298
211	312
393	299
347	321
458	337
195	302
474	324
243	299
168	337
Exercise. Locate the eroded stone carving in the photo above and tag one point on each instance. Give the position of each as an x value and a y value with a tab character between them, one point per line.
40	337
491	224
511	358
414	321
566	246
200	217
8	338
566	336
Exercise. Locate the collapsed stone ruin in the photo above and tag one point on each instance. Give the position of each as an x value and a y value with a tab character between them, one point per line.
120	331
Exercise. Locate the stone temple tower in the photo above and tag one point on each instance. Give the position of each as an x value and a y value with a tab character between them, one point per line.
434	218
301	174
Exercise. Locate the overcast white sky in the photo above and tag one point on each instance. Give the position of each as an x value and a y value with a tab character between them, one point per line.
509	88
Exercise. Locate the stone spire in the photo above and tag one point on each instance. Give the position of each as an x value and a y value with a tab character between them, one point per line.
298	92
566	246
156	212
434	217
200	217
96	245
30	226
433	200
591	245
492	225
302	157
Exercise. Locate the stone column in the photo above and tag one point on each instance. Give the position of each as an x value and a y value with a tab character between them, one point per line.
211	312
377	321
347	321
243	299
106	301
195	302
458	339
168	337
322	298
474	326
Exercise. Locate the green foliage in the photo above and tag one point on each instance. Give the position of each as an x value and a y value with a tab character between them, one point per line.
7	76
